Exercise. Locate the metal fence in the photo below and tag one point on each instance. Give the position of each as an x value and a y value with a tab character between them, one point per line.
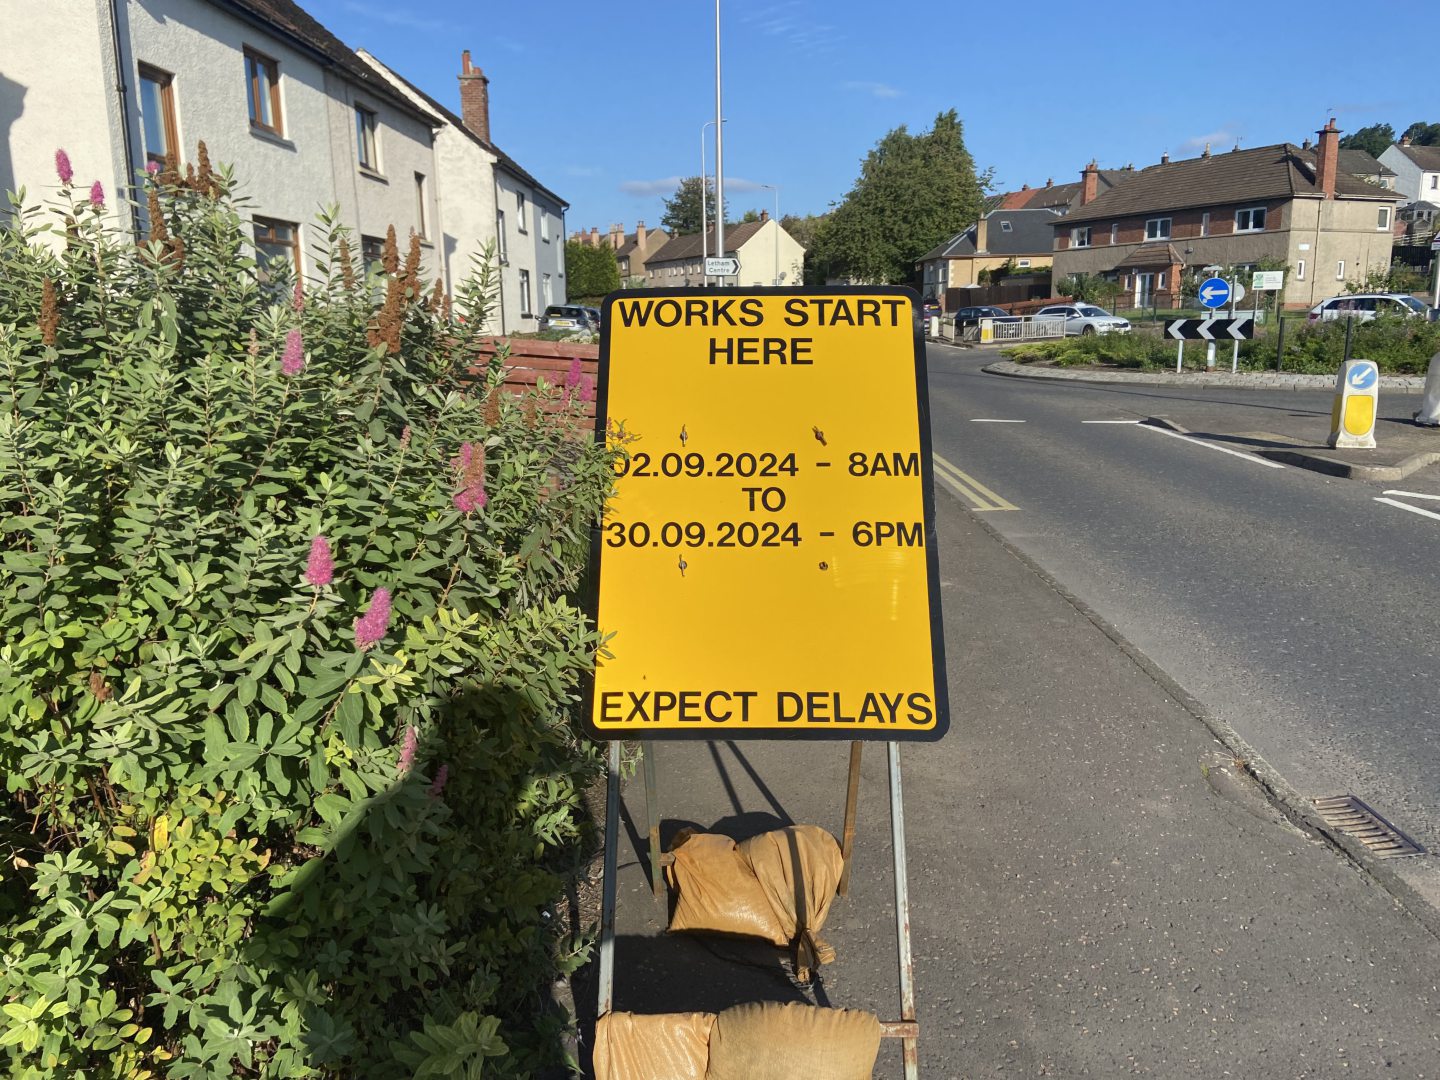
1020	328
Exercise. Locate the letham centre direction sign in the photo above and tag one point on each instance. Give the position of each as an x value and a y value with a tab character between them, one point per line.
767	565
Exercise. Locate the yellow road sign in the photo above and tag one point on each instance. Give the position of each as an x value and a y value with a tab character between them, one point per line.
767	566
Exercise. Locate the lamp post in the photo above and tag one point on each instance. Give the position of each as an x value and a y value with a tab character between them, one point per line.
776	189
719	147
704	210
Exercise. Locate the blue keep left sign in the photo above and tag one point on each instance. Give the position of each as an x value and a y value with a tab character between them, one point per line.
1363	376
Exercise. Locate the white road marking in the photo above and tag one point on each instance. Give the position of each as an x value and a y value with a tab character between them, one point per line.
1414	494
979	420
1110	421
1211	446
1407	506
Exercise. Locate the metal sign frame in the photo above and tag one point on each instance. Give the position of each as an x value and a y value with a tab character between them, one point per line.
834	732
907	1028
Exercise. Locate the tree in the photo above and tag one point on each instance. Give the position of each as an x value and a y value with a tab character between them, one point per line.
591	272
1373	139
913	191
682	210
1423	134
749	216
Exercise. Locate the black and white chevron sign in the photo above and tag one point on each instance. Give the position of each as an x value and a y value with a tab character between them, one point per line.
1239	328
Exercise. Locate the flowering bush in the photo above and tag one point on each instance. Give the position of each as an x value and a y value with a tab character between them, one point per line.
286	658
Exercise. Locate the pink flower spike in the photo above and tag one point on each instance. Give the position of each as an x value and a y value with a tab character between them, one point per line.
587	389
320	570
575	374
297	302
371	626
62	167
442	775
97	195
152	167
294	359
462	460
407	750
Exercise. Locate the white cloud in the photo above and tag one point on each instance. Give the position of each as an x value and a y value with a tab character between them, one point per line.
393	17
1216	140
647	188
875	89
739	183
791	21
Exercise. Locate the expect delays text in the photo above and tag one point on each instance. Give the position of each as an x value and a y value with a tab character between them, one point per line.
672	707
750	312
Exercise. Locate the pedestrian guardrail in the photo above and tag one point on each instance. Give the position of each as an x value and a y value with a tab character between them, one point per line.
1021	328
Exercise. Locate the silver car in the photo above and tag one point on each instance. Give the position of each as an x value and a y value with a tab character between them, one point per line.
1362	307
1084	319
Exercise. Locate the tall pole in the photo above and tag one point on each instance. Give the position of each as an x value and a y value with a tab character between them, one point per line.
704	210
719	148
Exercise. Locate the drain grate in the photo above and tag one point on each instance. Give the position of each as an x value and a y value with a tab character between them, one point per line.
1352	817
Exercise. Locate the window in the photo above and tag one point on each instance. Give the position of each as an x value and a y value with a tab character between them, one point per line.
1251	220
1205	223
545	296
277	240
500	248
365	139
157	114
525	294
372	251
263	82
1157	228
1023	262
1383	219
1300	270
520	211
1005	226
1160	280
544	226
1080	236
1434	181
1114	234
1340	270
420	204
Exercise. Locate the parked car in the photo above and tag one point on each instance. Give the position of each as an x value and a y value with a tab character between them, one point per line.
1362	307
570	317
971	316
929	309
1085	319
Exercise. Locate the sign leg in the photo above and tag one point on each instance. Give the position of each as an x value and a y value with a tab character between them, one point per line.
852	794
606	998
902	912
652	815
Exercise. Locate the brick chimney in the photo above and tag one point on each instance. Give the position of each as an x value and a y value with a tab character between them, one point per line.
640	233
1089	182
1404	140
982	235
1327	159
1024	187
1206	152
474	97
1165	158
1049	182
594	236
764	216
617	236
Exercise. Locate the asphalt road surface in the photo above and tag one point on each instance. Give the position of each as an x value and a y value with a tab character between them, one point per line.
1302	610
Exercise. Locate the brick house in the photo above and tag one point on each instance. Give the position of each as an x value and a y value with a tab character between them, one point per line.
1021	239
1280	203
765	250
631	250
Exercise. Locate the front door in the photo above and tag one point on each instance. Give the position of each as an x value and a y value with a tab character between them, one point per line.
1144	289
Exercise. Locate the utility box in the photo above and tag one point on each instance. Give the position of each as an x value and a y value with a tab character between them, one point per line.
1357	401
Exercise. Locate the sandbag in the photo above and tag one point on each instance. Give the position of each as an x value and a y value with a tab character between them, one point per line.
717	891
669	1046
771	1041
803	854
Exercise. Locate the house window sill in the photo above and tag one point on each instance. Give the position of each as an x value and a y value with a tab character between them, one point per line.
266	135
371	174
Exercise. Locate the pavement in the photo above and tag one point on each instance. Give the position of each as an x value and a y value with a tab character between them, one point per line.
1402	446
1098	886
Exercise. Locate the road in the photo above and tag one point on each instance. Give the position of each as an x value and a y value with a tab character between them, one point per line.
1297	608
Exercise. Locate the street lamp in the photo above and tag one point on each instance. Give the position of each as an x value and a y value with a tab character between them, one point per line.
719	147
704	211
776	189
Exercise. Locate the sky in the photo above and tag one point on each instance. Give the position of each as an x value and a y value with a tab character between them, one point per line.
604	101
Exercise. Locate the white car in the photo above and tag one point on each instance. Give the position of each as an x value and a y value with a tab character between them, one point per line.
1085	319
1362	307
